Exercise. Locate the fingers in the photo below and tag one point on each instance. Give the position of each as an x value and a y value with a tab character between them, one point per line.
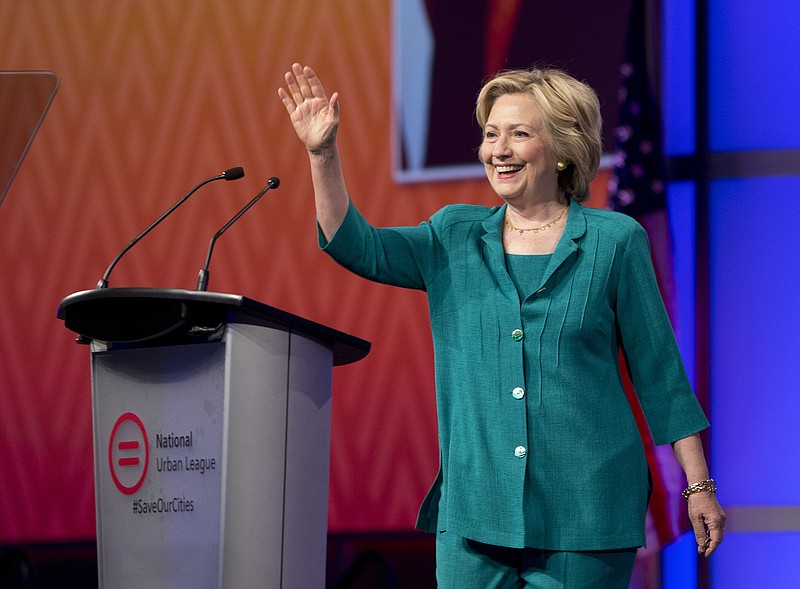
708	548
313	83
302	84
294	96
287	100
714	535
708	522
712	541
301	74
334	104
700	534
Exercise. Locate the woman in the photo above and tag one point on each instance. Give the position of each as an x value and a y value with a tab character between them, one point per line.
543	478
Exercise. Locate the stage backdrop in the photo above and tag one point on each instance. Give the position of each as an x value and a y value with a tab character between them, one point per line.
154	97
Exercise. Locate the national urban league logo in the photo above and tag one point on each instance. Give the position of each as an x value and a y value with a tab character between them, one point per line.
128	453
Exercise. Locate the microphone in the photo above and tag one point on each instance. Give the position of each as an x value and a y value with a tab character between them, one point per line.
231	174
202	277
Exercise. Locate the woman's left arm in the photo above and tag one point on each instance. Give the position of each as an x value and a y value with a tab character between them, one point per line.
705	512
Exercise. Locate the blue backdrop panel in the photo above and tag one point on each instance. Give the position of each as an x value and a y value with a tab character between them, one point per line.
755	302
679	560
678	80
755	560
753	74
681	206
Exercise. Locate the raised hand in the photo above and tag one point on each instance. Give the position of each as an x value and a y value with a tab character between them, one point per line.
315	118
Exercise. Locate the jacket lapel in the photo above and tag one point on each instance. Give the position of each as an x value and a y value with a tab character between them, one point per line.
567	246
494	255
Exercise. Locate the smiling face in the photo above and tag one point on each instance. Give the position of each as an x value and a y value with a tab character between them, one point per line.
517	151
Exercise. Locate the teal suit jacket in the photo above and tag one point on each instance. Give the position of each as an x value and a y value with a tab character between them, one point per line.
538	443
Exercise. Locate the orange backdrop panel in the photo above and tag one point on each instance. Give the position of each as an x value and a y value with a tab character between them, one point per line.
154	97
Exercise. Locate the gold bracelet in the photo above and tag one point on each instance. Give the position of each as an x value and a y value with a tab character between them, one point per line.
706	485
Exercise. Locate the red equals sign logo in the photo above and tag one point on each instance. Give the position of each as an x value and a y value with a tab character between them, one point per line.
129	460
128	453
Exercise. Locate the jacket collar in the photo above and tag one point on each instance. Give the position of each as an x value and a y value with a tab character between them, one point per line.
566	247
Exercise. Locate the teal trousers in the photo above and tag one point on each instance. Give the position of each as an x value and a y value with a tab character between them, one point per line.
466	564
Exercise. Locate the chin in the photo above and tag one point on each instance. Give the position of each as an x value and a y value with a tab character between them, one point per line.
508	196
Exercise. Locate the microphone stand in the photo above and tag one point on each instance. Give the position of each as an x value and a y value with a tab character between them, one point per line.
202	277
231	174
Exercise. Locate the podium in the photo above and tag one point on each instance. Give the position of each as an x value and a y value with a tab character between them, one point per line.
211	425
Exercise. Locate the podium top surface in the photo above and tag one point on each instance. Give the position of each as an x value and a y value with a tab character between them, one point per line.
156	315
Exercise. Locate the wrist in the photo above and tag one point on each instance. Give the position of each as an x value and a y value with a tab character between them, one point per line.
323	152
706	485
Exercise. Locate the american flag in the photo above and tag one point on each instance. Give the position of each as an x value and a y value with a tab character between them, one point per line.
637	188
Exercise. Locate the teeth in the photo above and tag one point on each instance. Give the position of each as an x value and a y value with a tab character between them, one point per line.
507	169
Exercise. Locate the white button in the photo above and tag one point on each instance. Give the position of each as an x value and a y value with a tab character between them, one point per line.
518	393
517	335
520	451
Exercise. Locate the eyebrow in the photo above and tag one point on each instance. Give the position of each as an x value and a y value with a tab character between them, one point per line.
510	126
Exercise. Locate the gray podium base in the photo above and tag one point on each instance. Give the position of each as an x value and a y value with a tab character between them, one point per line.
212	460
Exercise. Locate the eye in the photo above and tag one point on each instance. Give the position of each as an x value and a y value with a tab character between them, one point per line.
521	133
490	134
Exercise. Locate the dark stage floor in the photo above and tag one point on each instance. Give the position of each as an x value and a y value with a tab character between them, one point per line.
355	561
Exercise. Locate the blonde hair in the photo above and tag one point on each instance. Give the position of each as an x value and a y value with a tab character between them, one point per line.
571	113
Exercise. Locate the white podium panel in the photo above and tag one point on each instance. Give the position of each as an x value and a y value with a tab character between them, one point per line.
158	465
278	454
211	462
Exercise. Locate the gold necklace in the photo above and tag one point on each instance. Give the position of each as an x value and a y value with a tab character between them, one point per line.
522	230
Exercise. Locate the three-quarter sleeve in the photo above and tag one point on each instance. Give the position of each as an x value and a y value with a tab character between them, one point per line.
650	349
399	256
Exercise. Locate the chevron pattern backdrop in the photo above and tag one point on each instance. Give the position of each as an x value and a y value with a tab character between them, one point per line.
154	97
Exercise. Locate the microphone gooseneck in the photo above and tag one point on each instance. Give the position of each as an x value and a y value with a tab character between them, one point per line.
229	174
202	277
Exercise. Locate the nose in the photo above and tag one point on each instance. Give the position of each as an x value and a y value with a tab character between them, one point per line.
501	148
